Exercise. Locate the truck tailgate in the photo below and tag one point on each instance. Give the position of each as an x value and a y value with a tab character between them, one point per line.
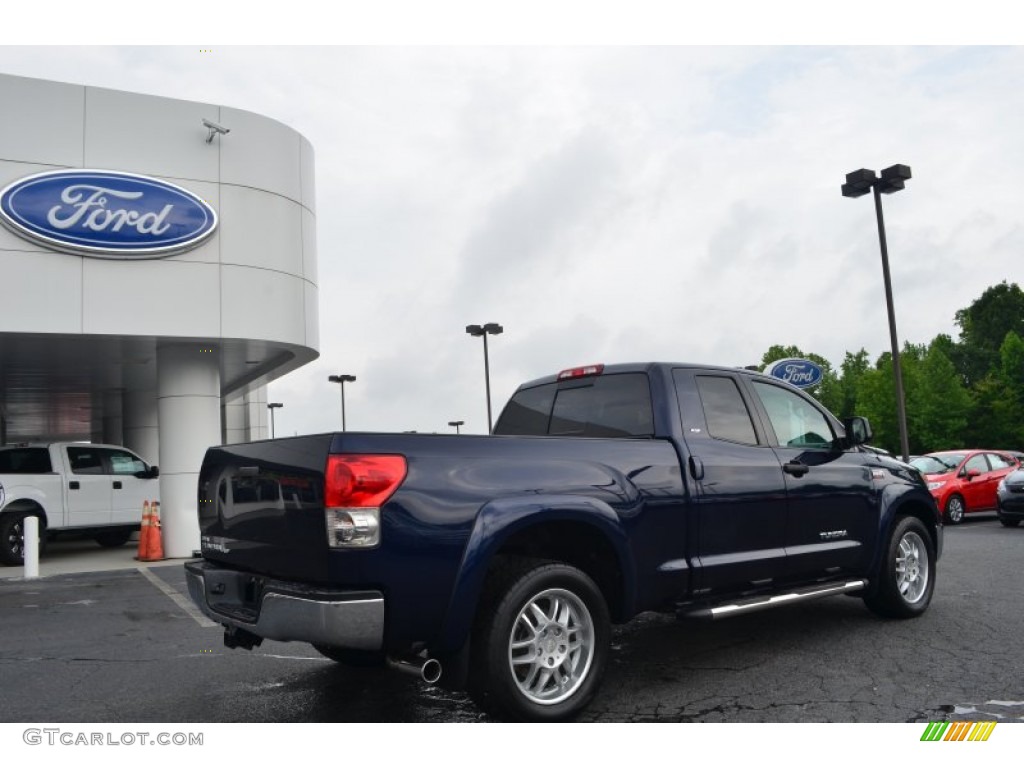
261	507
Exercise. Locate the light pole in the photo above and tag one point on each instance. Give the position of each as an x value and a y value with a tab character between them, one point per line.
482	330
341	379
456	424
892	180
272	407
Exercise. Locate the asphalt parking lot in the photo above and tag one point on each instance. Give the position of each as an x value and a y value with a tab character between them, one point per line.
126	646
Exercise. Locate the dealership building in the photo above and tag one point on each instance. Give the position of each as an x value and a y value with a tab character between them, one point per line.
158	268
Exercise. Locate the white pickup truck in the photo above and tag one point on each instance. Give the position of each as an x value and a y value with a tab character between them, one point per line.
95	489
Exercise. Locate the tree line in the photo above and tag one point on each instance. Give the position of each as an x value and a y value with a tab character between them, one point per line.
967	393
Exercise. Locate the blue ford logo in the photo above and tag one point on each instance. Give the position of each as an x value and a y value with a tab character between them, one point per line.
107	214
799	373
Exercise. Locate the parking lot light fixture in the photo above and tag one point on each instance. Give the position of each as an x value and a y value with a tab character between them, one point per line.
859	183
482	330
341	378
273	407
456	424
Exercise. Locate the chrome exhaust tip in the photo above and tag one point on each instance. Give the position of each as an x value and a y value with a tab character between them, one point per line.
428	670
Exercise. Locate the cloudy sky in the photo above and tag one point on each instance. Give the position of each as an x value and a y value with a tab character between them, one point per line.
610	204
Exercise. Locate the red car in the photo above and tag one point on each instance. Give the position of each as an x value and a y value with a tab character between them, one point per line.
964	482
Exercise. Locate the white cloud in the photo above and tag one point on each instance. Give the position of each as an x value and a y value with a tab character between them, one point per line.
611	204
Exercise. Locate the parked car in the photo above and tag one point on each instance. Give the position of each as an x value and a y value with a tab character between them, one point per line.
964	482
94	489
1010	496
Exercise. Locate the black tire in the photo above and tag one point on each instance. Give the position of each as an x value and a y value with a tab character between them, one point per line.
12	537
1009	522
906	580
955	509
113	537
574	613
352	657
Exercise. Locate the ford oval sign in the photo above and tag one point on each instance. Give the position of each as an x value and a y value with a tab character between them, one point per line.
799	373
107	214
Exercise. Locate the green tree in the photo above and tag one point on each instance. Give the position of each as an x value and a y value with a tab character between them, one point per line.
1011	356
937	403
876	402
779	352
944	405
997	419
983	327
850	374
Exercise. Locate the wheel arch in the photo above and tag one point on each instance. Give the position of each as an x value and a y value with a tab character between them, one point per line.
29	505
579	531
911	506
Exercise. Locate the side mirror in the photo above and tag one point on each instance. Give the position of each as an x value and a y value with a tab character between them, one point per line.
970	474
153	472
858	430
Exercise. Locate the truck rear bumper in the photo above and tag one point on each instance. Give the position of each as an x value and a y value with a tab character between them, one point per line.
278	610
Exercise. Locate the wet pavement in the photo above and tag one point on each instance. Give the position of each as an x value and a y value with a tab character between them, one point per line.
126	645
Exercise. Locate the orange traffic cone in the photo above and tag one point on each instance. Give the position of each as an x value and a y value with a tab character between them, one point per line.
144	532
157	542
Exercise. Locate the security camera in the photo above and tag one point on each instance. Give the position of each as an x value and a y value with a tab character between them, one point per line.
214	129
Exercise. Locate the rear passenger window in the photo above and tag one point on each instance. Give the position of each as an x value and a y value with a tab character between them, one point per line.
998	461
725	412
85	461
618	405
613	405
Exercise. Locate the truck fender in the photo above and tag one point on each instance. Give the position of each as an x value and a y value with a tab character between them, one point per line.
14	496
897	501
500	519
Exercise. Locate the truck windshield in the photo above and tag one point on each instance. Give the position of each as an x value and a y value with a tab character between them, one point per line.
612	405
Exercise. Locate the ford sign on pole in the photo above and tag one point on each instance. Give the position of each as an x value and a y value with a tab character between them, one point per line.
798	372
106	214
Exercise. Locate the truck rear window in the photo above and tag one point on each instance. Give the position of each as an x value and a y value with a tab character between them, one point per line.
613	405
25	461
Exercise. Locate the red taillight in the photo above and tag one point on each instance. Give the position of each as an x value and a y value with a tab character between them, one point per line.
578	373
361	481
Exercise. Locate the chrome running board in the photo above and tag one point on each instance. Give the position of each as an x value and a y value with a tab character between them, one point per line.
763	602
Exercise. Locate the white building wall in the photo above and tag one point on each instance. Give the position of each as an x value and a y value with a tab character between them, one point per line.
250	290
254	278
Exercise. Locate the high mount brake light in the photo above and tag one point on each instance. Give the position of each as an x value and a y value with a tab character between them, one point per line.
579	373
361	480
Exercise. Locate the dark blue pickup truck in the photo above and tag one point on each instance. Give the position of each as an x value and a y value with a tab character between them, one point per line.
498	563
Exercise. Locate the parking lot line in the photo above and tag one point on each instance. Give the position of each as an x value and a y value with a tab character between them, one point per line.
183	602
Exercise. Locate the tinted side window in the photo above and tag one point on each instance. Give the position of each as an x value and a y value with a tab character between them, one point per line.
85	461
528	412
796	422
25	461
725	412
618	405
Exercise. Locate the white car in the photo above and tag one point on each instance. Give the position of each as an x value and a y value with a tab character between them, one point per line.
95	489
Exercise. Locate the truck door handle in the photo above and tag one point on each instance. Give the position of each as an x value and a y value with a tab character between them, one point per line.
696	468
74	485
117	485
795	468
